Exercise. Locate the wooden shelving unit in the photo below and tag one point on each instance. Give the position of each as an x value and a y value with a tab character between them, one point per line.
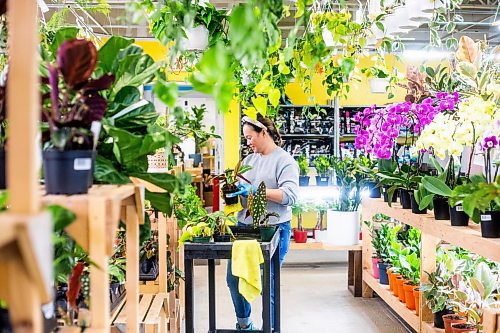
433	232
383	291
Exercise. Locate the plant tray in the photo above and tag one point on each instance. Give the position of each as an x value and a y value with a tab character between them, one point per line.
245	232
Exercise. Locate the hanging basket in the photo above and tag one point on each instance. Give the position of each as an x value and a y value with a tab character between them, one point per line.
197	38
378	86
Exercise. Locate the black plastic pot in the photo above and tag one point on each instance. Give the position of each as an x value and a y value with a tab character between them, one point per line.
67	172
245	232
5	325
222	238
386	195
322	181
267	233
404	198
490	224
148	269
230	200
304	180
374	190
414	205
382	273
441	208
438	317
3	164
458	217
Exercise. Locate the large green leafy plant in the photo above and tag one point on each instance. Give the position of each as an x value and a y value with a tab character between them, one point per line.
351	180
322	165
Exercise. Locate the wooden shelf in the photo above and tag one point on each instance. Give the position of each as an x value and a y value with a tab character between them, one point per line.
466	237
429	328
383	291
313	245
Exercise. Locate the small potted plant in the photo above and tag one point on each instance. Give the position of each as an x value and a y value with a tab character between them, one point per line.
370	167
410	264
257	209
197	232
222	231
378	78
74	105
437	294
228	181
304	170
319	232
322	165
299	234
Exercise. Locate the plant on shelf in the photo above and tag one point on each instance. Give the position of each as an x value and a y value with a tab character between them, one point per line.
70	107
228	179
187	207
351	180
321	207
304	170
222	225
298	209
322	165
197	232
257	209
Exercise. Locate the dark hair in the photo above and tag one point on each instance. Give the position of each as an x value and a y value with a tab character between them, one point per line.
270	127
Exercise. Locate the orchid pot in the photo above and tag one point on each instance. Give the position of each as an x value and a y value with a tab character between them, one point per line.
441	208
458	217
490	224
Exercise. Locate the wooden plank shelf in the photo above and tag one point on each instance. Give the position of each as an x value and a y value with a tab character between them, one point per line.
383	291
433	232
466	237
429	328
314	245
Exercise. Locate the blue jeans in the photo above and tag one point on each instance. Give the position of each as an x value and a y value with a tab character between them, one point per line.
242	308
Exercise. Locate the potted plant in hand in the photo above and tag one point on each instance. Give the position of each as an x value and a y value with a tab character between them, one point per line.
343	221
74	105
322	165
304	170
228	181
257	209
299	234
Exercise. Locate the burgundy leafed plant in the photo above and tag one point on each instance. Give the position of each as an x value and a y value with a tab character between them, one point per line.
74	285
75	102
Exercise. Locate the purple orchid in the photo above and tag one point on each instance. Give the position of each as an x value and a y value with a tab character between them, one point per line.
490	142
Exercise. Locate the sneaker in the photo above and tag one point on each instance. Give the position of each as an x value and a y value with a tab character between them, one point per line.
250	327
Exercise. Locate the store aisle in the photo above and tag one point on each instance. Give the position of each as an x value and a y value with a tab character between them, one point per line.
314	299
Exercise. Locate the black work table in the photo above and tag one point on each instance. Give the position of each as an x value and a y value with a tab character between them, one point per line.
212	251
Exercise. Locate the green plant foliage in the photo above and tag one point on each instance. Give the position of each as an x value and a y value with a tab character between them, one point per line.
188	207
322	165
303	165
351	179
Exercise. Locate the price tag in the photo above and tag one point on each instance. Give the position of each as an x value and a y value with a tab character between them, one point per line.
485	218
82	164
459	208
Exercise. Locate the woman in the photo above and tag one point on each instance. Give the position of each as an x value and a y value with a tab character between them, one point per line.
280	172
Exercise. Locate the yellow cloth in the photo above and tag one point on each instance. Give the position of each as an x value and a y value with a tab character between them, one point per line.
246	260
233	209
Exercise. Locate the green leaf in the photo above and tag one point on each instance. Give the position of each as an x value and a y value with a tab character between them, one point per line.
425	201
274	97
61	216
160	201
380	26
436	186
109	51
63	34
105	172
167	92
430	71
260	104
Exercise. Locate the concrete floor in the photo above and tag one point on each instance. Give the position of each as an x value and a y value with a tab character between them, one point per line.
314	299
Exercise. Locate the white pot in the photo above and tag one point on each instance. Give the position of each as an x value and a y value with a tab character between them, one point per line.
416	8
197	38
378	86
404	14
321	235
428	6
342	228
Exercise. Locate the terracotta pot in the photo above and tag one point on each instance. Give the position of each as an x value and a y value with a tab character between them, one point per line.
401	293
463	327
389	274
416	296
375	268
409	298
452	319
394	284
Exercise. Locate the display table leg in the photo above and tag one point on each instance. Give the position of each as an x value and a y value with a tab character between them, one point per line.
277	291
211	295
266	296
189	296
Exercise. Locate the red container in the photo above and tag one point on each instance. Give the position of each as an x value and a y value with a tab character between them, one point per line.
375	268
300	236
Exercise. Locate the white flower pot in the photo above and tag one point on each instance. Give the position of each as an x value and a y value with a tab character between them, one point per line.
377	85
415	8
321	235
342	228
404	14
428	6
197	38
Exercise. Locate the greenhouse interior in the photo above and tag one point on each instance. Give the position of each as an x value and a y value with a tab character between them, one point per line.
286	166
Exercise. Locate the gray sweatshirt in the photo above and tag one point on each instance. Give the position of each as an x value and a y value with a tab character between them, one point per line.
278	170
